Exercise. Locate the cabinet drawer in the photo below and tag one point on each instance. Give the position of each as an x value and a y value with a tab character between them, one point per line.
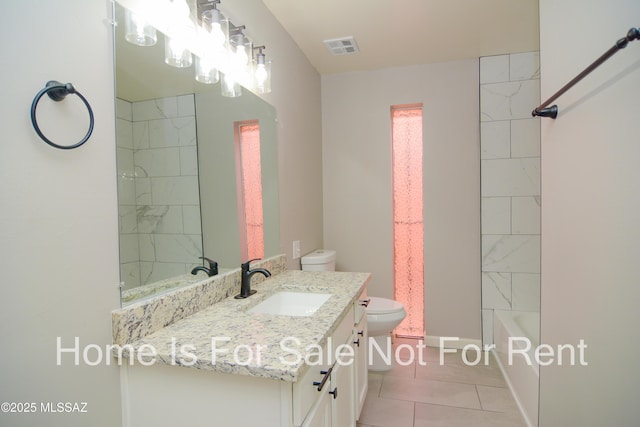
305	390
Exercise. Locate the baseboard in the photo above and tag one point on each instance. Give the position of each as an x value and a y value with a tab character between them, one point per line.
451	342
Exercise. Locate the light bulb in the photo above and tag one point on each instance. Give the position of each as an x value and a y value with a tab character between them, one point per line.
241	56
217	35
262	73
239	66
213	22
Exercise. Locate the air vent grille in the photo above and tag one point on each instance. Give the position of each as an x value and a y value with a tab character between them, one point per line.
342	46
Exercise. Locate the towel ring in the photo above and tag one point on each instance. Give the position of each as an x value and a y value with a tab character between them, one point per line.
58	91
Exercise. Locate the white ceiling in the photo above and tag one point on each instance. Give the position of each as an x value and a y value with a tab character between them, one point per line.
392	33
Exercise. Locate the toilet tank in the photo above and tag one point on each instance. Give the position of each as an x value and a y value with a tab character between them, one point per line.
319	260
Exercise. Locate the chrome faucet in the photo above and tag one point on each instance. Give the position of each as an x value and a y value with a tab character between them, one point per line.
212	270
245	284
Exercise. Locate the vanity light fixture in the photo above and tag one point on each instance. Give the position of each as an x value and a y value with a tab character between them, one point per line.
240	55
138	31
197	28
182	33
238	67
214	30
214	24
262	72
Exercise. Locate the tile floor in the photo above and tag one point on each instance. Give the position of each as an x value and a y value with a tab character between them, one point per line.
430	394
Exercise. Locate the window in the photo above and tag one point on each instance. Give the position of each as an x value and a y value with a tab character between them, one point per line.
408	238
249	182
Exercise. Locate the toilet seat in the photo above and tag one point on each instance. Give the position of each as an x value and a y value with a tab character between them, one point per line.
383	306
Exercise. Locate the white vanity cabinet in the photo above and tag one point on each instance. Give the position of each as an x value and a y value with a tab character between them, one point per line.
348	381
361	343
328	394
336	382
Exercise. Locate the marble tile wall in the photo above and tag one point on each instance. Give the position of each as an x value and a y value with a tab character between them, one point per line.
510	185
160	229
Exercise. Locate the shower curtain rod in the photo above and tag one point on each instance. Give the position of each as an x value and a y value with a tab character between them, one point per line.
543	111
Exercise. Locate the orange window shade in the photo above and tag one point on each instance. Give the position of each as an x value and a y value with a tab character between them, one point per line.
408	226
250	190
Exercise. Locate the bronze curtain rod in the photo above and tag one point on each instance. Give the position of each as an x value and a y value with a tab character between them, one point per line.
543	111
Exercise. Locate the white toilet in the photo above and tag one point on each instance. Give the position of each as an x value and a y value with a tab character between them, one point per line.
319	260
383	314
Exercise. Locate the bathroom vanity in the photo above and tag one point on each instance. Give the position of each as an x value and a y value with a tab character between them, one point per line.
238	363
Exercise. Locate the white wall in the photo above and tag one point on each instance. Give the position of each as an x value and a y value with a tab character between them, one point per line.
58	222
357	183
590	214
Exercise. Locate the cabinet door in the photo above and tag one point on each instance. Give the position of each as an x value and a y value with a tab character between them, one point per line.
320	413
306	393
343	394
361	378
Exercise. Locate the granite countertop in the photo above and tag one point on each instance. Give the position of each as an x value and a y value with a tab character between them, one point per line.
157	288
224	337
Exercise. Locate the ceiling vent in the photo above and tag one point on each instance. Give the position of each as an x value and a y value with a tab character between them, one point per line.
342	46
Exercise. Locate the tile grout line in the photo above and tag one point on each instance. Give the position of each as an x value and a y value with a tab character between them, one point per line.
478	395
414	414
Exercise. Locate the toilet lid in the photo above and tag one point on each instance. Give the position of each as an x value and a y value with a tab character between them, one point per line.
383	306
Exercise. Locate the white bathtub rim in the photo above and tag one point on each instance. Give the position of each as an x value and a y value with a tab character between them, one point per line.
519	403
514	331
519	373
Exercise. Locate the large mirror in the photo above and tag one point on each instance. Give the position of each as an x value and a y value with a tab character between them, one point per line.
177	172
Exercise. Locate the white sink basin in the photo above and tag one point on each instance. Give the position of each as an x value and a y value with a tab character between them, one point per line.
291	303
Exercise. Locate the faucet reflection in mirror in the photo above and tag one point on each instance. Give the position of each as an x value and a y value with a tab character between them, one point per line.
212	270
197	27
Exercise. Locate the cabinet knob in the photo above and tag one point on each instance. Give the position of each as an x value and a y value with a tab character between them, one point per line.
365	302
334	392
361	333
357	342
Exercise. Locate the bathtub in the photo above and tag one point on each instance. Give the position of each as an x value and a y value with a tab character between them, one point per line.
521	376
